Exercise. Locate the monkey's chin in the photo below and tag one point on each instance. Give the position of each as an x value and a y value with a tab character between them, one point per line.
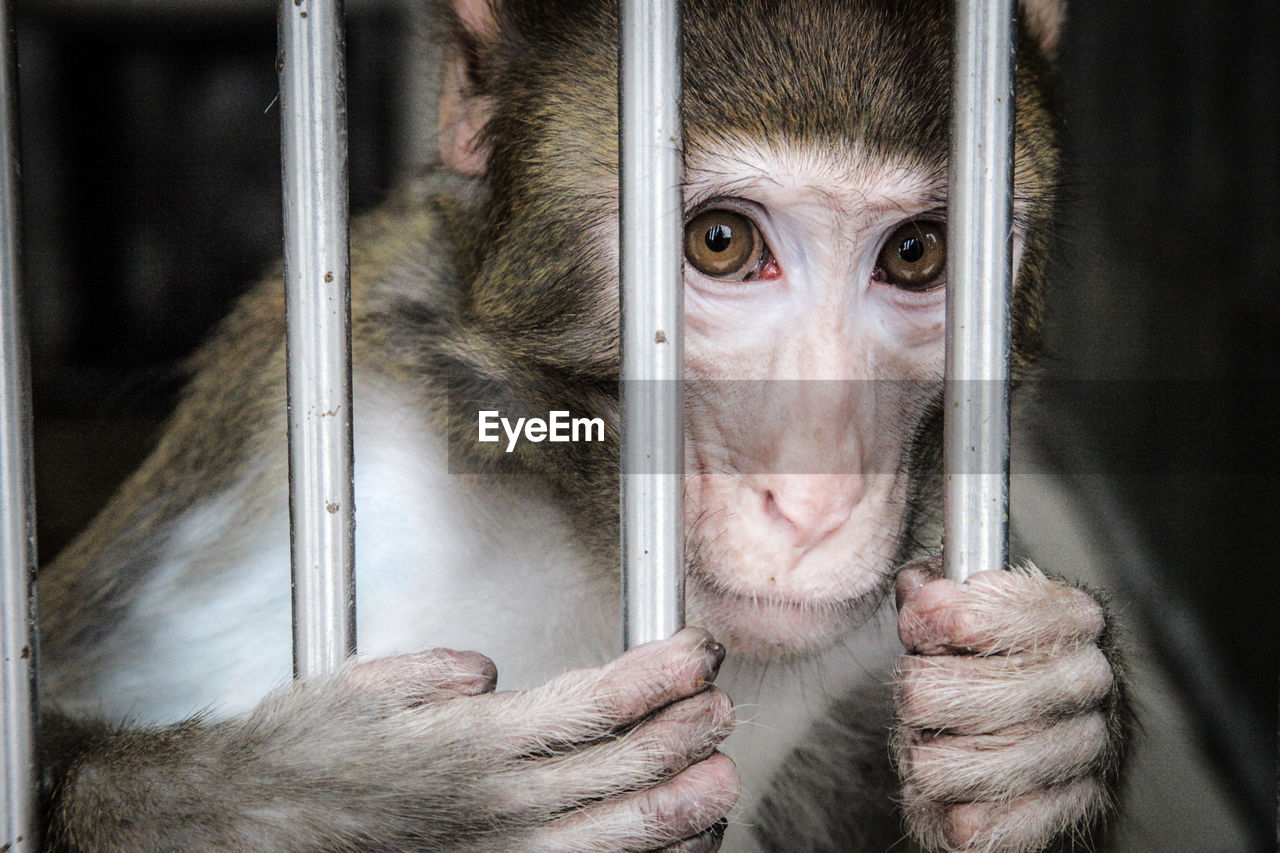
768	625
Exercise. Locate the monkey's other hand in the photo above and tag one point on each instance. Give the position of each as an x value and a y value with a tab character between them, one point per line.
417	753
1008	704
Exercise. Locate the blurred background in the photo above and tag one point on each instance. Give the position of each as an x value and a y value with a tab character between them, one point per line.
152	194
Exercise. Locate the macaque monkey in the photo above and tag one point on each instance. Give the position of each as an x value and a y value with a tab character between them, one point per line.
816	155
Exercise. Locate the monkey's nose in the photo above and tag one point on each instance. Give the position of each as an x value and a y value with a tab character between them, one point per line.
808	508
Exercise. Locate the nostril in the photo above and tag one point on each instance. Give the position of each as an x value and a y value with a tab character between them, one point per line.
771	508
807	510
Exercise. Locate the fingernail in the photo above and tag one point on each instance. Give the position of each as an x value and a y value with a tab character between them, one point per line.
706	841
715	656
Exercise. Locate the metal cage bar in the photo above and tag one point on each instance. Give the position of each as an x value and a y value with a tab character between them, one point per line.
979	291
318	308
18	755
652	300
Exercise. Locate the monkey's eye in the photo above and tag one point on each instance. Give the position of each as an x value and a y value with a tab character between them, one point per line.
914	257
723	244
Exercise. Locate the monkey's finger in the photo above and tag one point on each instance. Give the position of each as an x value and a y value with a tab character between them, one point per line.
914	575
421	678
674	738
975	695
588	704
995	612
1028	822
707	841
654	818
1003	765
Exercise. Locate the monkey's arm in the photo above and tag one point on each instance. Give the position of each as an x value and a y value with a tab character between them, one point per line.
416	753
405	753
1011	715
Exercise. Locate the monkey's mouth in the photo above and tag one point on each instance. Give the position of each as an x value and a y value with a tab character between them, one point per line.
767	622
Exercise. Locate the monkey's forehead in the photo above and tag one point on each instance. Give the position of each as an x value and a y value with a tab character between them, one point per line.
820	72
875	72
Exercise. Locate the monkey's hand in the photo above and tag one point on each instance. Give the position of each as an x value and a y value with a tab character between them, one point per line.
417	753
1009	711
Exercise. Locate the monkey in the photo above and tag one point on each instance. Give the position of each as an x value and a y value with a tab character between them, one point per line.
838	694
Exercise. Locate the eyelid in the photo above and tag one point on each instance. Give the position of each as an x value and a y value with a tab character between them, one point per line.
921	298
750	209
888	231
938	215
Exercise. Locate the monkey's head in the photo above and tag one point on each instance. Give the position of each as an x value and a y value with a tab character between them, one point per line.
816	142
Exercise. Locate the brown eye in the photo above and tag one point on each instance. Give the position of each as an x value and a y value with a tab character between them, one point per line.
723	244
914	257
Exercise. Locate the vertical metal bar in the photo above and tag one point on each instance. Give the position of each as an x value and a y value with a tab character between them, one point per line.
979	289
18	810
318	305
652	216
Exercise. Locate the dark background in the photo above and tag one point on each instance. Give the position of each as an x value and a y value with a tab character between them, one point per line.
1166	319
151	181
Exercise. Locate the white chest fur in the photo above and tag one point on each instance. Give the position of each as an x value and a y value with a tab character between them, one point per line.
443	560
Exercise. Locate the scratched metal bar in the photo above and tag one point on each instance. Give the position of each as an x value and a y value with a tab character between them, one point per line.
318	305
652	222
979	290
19	809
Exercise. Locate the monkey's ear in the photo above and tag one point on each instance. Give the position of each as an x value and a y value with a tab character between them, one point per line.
463	109
1044	19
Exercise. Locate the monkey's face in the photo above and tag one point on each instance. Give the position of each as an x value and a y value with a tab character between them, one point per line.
816	136
814	308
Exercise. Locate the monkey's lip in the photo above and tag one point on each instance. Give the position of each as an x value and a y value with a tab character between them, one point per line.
768	619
